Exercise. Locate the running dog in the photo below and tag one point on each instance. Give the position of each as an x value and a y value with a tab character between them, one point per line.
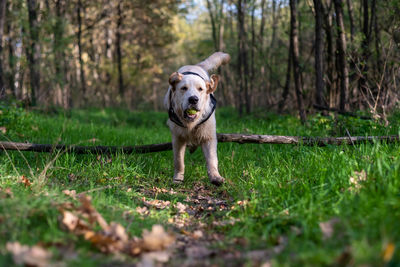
191	109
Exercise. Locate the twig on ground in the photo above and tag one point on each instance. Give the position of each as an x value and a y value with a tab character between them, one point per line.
222	138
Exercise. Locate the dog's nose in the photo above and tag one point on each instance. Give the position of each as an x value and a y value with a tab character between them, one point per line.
193	100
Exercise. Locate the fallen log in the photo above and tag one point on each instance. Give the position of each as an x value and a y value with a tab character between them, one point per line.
222	138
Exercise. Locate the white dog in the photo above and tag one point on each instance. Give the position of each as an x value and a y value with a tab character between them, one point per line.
191	107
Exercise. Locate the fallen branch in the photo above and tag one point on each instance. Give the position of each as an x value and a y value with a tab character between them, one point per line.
345	113
222	138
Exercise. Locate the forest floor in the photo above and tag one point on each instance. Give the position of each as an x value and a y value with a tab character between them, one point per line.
282	205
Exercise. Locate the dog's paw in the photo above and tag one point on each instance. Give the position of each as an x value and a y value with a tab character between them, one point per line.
178	178
217	180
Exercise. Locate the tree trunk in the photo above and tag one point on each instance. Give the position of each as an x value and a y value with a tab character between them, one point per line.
363	86
32	51
341	54
119	53
319	48
213	24
295	58
285	92
242	56
79	36
11	58
351	19
328	25
2	19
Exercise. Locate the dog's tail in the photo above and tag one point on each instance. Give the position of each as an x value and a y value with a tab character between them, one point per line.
214	61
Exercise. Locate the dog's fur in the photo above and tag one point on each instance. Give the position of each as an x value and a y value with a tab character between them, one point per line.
181	88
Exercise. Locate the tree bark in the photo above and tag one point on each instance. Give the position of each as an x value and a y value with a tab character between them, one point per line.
285	92
79	37
351	19
213	24
342	64
329	52
119	52
319	48
222	138
2	20
32	51
363	86
295	58
242	56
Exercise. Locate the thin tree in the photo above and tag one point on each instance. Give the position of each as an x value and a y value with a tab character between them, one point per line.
32	51
294	39
351	19
2	19
319	48
341	56
79	37
118	48
365	48
242	57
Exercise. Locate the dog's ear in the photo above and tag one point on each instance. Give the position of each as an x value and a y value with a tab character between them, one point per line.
175	78
212	85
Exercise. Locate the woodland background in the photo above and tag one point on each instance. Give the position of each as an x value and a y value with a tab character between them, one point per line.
290	56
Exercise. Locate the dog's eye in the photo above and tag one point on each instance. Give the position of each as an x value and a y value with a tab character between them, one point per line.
184	88
200	89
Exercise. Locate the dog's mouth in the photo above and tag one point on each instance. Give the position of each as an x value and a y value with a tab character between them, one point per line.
191	114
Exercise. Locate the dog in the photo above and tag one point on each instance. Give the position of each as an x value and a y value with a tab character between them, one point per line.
191	109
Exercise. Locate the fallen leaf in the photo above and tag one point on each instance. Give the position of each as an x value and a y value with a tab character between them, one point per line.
29	256
71	193
180	207
142	210
197	234
3	130
157	239
25	181
388	251
155	203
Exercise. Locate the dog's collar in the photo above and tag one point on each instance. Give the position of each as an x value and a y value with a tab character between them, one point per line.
192	73
174	118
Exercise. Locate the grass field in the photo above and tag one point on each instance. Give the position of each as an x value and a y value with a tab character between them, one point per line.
282	205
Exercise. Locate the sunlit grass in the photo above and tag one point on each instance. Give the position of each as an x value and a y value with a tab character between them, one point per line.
288	190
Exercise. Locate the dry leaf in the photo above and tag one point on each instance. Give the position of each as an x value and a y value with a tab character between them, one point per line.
3	130
388	252
29	256
142	210
180	207
157	239
197	234
73	223
71	193
25	181
155	203
92	213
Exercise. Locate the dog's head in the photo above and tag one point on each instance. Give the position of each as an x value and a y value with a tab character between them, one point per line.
190	94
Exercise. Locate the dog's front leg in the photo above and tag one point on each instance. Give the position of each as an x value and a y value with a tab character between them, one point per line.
210	153
179	148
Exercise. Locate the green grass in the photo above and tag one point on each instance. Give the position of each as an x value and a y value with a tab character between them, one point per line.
289	190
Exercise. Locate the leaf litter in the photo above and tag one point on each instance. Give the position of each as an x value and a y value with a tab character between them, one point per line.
112	237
